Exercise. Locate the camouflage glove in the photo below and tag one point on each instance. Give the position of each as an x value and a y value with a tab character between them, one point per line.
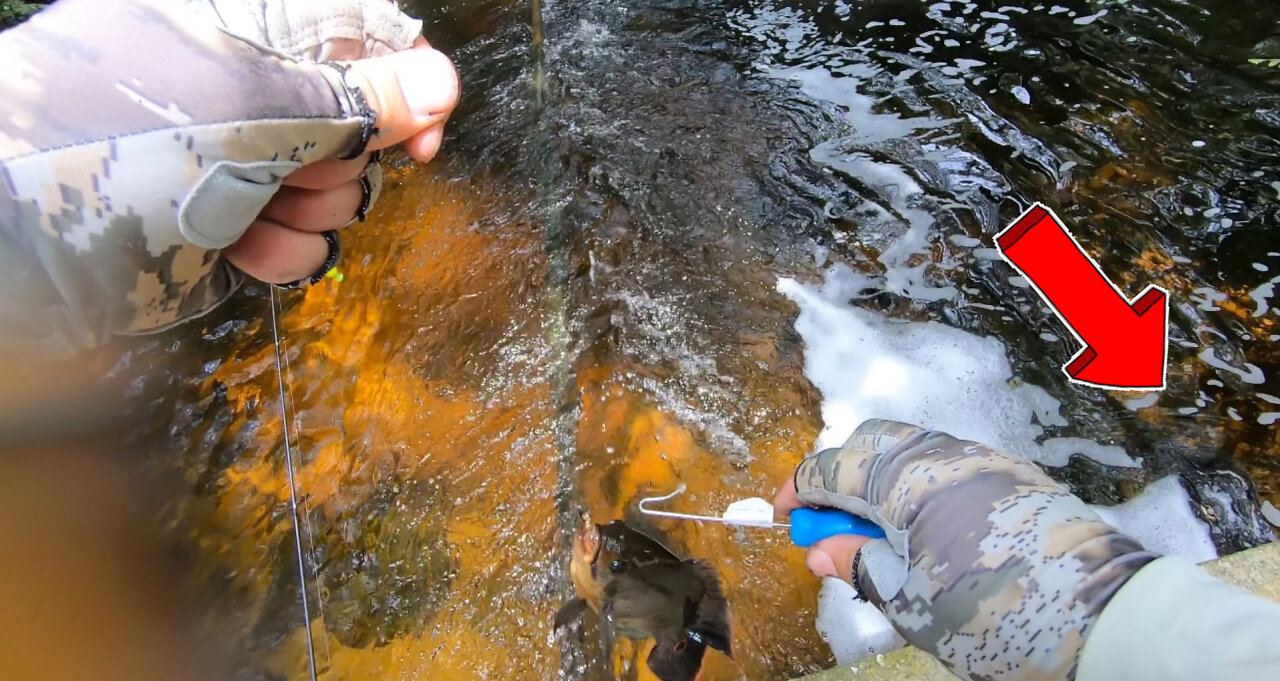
315	30
988	563
138	138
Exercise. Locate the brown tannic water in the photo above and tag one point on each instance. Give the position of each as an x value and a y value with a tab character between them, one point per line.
575	307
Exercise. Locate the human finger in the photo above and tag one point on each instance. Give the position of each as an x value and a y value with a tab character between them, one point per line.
276	254
313	210
786	501
328	173
411	92
833	556
424	145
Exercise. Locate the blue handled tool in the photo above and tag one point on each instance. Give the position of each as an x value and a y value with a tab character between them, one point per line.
807	526
812	525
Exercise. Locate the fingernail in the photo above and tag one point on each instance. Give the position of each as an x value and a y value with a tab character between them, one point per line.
820	564
431	86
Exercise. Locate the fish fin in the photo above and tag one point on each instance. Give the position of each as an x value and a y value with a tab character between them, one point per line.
605	635
715	638
640	548
710	617
569	612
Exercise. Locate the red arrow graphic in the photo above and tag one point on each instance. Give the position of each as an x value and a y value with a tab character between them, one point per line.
1125	343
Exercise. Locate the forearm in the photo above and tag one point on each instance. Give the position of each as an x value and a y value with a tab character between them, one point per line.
1010	577
136	141
1172	622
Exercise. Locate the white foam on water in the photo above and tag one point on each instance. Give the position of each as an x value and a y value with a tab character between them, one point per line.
1249	374
1260	296
853	629
1043	405
893	184
1271	513
1161	518
1207	298
1143	401
1058	452
1085	21
869	366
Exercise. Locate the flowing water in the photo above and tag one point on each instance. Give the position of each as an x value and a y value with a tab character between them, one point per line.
576	306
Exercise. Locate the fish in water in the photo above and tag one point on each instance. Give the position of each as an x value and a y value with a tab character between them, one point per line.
644	591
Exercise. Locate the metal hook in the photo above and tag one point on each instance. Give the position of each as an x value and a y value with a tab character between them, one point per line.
807	525
669	514
682	516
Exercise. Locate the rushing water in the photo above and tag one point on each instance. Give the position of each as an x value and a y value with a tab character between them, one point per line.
576	306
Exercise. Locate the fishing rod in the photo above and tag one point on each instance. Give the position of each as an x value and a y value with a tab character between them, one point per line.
293	489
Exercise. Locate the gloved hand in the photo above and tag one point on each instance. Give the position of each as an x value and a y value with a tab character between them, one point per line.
153	151
988	563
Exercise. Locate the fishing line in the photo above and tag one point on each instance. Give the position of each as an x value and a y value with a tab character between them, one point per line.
293	492
557	332
309	535
537	53
556	329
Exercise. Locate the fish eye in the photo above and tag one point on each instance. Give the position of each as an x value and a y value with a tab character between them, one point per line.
617	566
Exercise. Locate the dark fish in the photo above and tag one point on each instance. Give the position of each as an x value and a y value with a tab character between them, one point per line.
644	591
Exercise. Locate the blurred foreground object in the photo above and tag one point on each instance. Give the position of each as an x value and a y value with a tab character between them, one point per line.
137	138
87	590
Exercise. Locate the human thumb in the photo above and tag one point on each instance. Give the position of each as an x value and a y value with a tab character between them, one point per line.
833	556
412	92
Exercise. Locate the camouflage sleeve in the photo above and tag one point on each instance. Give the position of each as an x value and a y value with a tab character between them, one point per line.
988	563
1174	622
139	137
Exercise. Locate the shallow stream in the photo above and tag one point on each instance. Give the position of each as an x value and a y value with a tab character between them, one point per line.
577	305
